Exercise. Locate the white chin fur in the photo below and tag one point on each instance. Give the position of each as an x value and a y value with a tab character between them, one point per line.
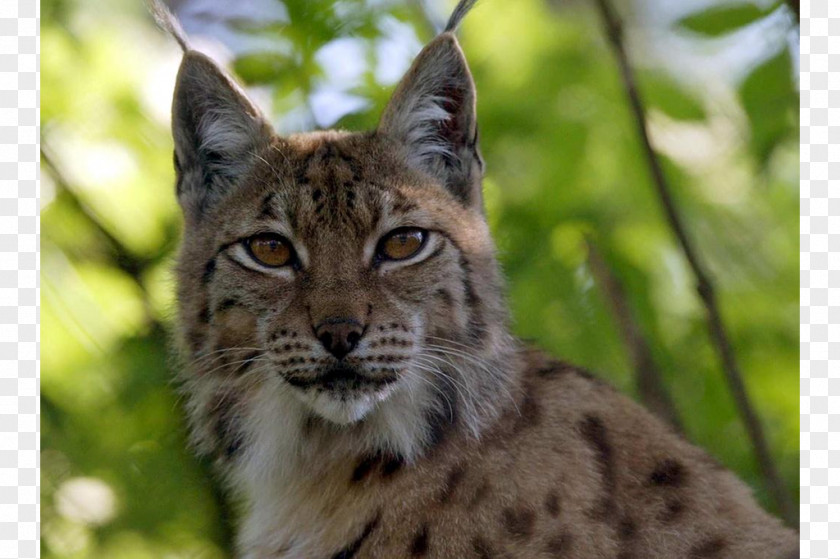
342	411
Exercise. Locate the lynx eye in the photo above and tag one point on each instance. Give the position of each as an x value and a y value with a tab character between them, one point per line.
270	250
402	243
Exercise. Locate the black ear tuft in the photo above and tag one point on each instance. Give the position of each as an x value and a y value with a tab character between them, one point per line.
432	113
217	131
458	14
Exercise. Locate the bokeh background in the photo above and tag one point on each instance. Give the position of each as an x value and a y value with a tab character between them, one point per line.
568	192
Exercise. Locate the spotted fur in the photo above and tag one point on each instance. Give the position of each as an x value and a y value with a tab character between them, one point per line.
438	434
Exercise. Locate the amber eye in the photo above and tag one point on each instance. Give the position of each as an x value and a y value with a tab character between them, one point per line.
270	250
402	243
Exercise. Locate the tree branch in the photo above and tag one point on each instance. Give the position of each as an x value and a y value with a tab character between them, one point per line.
121	255
649	382
705	286
128	262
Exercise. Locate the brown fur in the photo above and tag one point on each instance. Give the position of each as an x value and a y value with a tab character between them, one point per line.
469	444
584	482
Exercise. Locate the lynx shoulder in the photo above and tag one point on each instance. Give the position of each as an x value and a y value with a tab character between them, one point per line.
348	362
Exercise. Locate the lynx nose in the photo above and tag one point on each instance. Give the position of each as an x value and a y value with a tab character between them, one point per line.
339	336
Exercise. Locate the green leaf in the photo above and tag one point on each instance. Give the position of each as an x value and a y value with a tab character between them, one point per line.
770	100
262	67
720	20
663	92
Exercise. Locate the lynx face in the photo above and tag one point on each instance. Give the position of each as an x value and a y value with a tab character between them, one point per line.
343	269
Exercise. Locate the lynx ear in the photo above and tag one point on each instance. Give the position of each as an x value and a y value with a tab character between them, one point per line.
432	113
217	131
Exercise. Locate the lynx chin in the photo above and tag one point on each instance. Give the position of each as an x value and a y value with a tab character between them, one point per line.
348	362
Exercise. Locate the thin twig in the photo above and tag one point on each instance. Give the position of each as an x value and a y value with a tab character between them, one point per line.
705	286
649	382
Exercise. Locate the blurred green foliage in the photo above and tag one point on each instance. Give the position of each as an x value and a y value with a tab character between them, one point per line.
564	165
725	18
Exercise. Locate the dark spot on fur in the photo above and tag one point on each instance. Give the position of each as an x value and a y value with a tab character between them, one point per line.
603	509
476	327
204	315
626	528
267	207
209	270
519	522
390	465
420	543
529	411
228	438
351	550
708	548
552	504
558	545
668	473
673	510
226	304
453	479
481	493
555	368
482	548
549	371
316	195
233	447
386	465
364	468
595	435
444	296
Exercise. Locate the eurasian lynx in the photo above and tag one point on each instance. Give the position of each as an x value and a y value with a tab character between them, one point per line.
350	366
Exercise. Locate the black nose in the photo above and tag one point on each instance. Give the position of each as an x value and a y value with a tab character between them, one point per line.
339	336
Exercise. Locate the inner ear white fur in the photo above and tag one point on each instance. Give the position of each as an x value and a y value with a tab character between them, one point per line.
432	114
419	127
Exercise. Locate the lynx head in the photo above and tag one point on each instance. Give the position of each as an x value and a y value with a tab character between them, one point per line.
354	271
